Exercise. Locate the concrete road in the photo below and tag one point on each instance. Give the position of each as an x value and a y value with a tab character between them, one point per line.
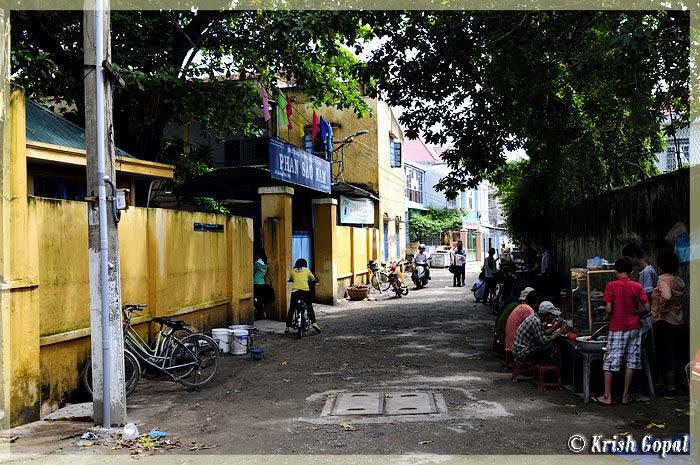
436	340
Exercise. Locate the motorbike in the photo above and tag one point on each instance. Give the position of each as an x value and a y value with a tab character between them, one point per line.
396	279
420	274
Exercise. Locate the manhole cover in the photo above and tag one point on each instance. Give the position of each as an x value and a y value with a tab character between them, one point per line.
409	403
380	403
358	403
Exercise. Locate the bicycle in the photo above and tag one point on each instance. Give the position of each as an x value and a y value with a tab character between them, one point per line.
380	280
300	320
190	358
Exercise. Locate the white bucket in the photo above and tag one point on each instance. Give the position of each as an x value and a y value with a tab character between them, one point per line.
223	337
240	341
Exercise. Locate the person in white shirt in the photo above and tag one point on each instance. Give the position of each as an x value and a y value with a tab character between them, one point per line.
459	260
421	256
490	271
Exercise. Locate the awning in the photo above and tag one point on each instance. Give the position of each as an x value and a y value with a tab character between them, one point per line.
343	188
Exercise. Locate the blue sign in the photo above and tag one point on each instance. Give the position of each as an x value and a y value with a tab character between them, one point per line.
296	166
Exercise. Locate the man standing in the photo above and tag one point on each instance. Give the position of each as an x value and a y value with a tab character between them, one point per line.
623	297
459	261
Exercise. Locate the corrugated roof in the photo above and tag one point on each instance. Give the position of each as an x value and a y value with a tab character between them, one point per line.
46	127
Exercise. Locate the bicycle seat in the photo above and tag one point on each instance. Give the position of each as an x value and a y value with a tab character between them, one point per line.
164	320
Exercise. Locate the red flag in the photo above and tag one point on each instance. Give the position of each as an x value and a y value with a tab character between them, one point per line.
290	126
314	128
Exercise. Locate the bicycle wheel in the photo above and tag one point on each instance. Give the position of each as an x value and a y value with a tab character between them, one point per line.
194	361
384	282
132	373
375	282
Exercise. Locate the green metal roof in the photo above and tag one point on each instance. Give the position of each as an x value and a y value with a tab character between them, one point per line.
46	127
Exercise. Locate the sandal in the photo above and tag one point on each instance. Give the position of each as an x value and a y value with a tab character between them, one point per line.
630	399
596	400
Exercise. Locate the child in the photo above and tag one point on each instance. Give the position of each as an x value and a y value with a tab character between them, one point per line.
623	297
300	277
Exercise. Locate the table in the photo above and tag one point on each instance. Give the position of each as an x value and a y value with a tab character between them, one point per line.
587	358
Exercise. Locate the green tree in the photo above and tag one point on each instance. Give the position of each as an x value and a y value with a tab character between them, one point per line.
434	222
582	92
177	65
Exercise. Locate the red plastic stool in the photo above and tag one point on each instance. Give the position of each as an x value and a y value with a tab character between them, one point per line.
540	372
508	359
521	370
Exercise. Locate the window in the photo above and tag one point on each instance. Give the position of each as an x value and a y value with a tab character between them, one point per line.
470	200
452	203
59	188
414	184
394	154
314	148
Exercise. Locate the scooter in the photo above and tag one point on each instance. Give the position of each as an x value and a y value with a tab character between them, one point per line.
396	279
420	274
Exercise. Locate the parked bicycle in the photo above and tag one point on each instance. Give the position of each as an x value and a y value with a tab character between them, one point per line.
190	358
380	279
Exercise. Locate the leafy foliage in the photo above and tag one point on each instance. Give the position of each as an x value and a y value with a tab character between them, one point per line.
434	222
583	93
182	66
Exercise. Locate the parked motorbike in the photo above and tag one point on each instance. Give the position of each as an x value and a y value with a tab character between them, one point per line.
420	274
396	279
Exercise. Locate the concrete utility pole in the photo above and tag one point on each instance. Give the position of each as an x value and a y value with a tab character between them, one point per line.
109	396
5	243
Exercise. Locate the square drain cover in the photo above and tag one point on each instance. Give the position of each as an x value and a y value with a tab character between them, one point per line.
409	403
358	403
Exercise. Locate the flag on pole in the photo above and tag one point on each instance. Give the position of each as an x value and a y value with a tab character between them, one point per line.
302	134
329	132
281	110
290	110
324	132
314	127
265	103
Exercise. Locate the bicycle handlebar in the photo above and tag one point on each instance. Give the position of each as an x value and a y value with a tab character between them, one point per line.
134	307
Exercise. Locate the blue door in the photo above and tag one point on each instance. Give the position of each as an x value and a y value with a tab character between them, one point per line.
303	247
398	241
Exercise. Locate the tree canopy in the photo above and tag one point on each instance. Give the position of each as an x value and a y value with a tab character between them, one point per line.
178	65
582	92
434	222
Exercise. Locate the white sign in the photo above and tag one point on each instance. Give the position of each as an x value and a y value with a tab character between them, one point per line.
470	225
356	211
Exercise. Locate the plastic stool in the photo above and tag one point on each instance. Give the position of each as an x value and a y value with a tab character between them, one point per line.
508	359
257	354
521	370
539	378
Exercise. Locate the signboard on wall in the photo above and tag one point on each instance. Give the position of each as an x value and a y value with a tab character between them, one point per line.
356	211
296	166
470	220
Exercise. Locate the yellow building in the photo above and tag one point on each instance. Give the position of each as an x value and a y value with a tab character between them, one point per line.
351	213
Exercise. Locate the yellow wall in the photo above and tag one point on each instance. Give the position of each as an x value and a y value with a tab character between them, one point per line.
164	263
